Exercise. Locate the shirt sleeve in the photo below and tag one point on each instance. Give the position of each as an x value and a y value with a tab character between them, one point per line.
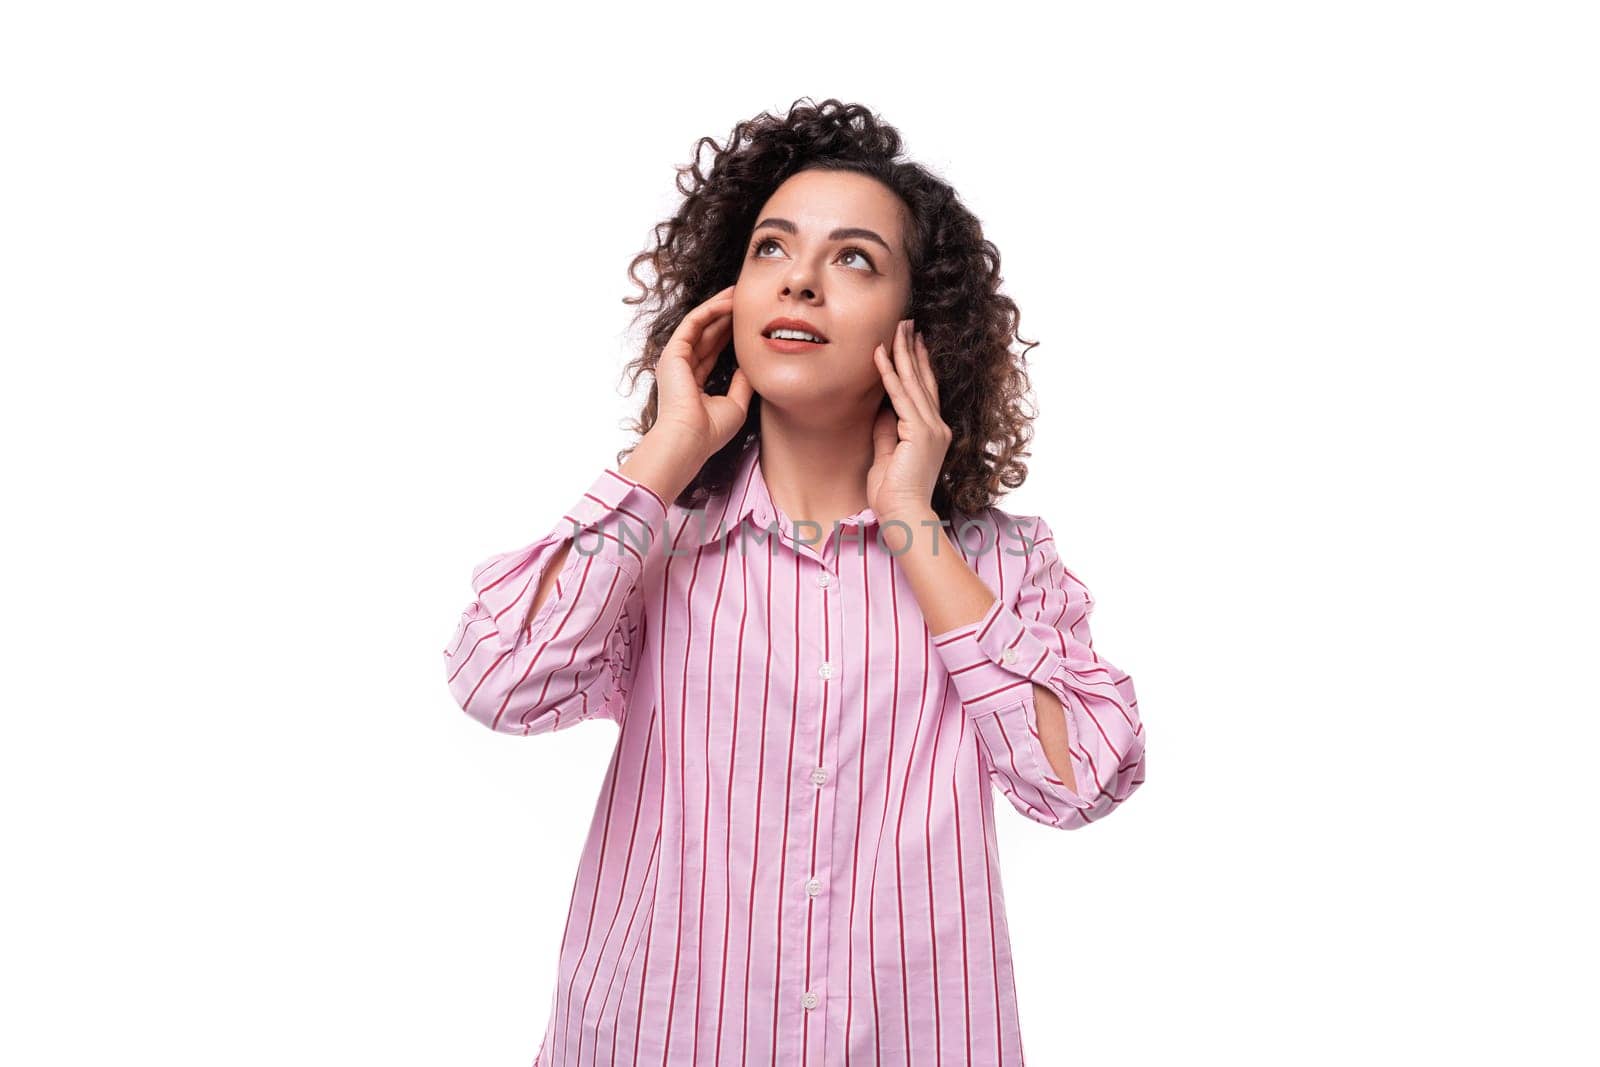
1044	638
520	671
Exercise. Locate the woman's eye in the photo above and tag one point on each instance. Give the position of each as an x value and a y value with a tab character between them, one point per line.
859	254
856	252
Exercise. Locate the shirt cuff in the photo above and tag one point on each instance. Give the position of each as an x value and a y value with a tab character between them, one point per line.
617	519
994	662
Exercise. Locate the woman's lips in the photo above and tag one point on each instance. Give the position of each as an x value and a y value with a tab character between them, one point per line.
791	346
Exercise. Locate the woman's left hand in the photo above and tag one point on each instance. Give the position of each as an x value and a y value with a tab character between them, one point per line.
910	441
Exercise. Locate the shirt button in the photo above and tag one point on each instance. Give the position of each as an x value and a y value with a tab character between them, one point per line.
813	887
809	1000
1009	655
826	670
819	776
824	579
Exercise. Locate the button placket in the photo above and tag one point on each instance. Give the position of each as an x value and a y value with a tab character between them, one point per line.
819	776
820	921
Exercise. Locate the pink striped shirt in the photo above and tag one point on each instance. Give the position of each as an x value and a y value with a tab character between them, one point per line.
792	859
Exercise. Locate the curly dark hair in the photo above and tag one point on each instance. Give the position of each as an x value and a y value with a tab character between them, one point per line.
967	323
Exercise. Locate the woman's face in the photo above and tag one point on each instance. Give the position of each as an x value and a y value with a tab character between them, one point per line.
828	249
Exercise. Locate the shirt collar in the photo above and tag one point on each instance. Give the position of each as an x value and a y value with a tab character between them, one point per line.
747	498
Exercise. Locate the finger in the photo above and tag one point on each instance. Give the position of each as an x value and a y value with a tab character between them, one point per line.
905	363
717	313
714	305
703	370
713	341
903	406
921	360
696	321
740	390
696	325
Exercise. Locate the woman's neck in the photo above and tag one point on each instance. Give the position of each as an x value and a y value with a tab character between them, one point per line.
816	474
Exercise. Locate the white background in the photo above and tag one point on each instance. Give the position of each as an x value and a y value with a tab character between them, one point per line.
309	308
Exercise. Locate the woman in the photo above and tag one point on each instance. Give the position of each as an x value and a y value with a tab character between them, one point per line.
820	638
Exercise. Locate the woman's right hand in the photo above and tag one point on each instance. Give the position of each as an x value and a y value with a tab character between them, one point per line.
684	410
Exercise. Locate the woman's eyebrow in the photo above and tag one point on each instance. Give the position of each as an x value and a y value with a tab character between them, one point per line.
842	233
